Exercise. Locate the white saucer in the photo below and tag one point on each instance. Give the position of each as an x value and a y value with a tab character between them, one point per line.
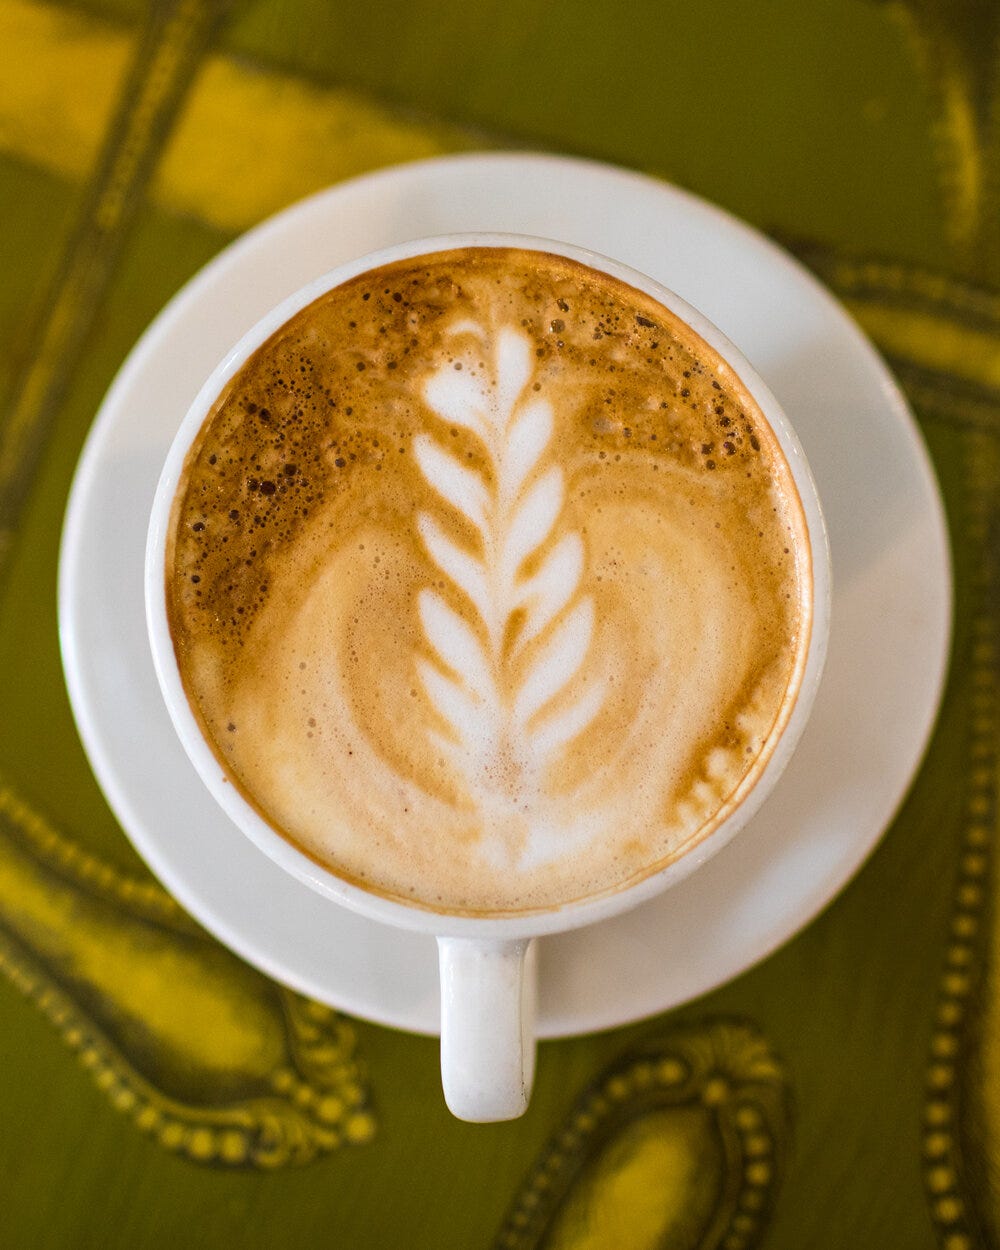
888	646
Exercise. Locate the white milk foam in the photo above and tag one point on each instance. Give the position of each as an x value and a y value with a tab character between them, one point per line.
489	583
499	736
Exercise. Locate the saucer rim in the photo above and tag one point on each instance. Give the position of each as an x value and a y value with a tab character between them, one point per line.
117	791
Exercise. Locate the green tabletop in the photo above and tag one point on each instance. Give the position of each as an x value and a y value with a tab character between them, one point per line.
155	1090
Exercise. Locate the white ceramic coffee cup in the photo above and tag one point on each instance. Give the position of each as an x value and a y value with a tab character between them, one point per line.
486	963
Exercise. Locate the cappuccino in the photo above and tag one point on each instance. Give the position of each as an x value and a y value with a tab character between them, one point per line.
488	582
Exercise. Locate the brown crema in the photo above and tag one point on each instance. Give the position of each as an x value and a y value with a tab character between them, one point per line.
489	583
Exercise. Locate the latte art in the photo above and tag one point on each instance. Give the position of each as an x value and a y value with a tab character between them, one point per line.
493	703
488	582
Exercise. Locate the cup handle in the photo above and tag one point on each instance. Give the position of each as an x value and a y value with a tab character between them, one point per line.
488	991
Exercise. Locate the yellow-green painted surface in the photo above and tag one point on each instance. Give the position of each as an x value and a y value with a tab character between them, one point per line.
154	1091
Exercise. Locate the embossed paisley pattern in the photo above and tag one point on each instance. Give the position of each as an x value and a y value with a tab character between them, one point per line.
942	337
678	1145
201	1052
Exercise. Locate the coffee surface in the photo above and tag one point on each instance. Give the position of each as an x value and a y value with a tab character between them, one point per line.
488	582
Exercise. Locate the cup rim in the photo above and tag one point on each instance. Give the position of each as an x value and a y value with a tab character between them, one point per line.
574	913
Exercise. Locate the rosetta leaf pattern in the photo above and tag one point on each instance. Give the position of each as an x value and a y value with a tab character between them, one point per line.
522	638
